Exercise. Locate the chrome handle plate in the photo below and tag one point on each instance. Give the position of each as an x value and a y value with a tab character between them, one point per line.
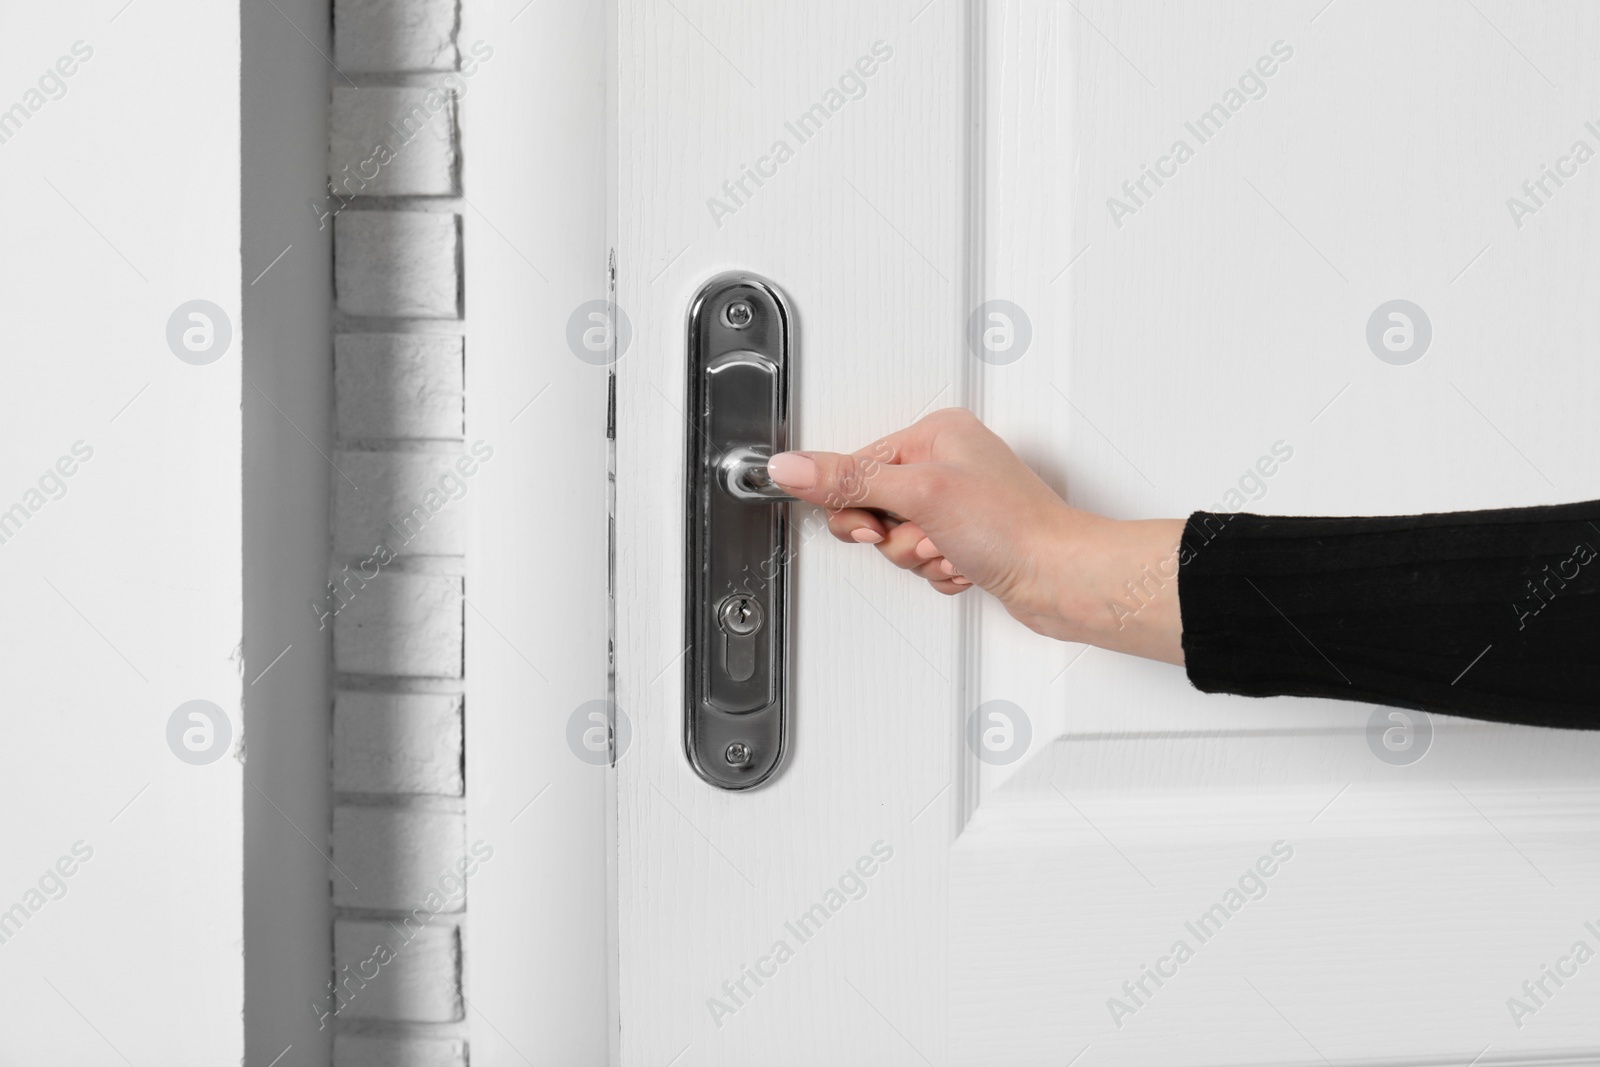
736	575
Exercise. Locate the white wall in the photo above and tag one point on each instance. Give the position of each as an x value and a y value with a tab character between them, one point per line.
122	581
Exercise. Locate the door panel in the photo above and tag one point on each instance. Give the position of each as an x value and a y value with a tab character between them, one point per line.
1172	346
864	228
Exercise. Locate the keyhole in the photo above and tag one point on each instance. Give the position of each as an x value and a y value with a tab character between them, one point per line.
740	615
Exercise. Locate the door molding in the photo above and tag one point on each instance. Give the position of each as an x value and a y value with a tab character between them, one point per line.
534	243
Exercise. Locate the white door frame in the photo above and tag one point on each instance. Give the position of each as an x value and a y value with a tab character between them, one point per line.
534	238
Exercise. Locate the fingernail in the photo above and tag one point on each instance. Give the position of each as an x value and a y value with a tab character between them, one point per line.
794	469
866	536
925	548
948	567
962	581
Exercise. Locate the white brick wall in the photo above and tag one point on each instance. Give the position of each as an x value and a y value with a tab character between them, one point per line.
396	385
416	970
359	1050
401	624
396	601
403	499
406	743
396	859
379	36
396	264
393	142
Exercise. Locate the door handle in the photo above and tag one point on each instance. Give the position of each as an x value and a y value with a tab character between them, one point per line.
743	473
741	335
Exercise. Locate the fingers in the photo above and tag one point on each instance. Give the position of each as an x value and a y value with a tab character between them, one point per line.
857	526
900	546
901	474
938	571
903	544
858	480
898	473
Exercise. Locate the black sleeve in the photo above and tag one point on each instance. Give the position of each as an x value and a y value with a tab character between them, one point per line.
1486	614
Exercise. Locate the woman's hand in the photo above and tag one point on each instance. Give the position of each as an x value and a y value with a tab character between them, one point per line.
948	500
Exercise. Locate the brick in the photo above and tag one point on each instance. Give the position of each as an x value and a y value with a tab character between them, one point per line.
409	501
360	1050
394	35
410	973
397	743
397	264
399	858
398	385
402	624
392	142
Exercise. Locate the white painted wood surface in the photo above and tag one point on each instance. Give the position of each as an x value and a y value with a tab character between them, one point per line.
1226	314
706	879
122	584
533	226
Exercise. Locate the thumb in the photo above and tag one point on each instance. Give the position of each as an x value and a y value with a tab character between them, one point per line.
837	480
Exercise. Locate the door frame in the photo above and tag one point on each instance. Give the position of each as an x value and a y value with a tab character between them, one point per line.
535	205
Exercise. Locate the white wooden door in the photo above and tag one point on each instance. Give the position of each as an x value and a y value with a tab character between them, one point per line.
1336	902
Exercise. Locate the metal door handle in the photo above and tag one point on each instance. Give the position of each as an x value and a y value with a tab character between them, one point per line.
743	472
736	575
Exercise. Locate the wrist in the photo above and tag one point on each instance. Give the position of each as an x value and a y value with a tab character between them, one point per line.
1121	588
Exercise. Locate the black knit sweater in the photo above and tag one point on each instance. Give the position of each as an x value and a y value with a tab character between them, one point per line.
1486	614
